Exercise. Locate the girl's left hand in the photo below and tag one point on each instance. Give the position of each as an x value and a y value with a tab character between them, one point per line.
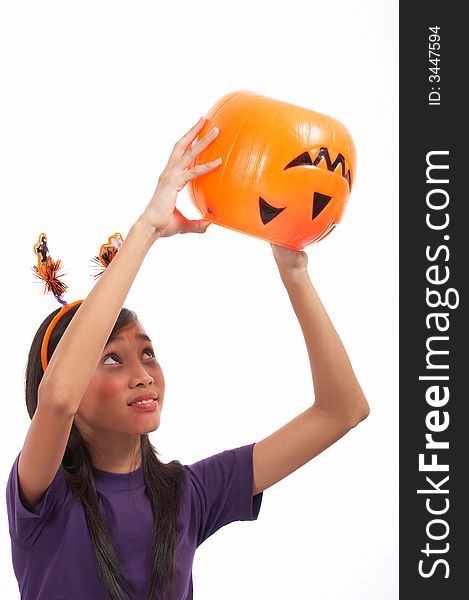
288	259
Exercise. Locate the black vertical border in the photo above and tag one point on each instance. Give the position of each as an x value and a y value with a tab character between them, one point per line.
422	129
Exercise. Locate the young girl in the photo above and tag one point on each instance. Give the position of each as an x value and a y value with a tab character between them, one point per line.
93	513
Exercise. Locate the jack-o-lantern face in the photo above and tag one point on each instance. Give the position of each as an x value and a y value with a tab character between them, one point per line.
287	171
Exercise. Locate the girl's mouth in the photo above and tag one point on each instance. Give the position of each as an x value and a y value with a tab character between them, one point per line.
147	405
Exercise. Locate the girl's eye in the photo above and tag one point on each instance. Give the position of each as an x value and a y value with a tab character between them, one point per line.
146	350
110	356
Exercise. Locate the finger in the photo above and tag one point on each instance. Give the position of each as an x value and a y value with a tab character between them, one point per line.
202	169
192	153
186	140
199	226
189	137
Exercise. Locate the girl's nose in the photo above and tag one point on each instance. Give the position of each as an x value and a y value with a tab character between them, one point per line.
143	379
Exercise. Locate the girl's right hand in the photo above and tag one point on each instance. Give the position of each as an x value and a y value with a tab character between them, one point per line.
161	212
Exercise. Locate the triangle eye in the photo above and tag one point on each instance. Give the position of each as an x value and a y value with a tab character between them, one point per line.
267	211
320	201
302	159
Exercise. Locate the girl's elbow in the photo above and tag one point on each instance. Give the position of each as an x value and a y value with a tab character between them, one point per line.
361	414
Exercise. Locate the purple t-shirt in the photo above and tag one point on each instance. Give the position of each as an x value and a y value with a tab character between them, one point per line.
52	554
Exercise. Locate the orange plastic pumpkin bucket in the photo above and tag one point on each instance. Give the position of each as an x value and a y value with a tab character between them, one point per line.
287	171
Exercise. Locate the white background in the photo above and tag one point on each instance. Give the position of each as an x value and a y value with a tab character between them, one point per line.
94	96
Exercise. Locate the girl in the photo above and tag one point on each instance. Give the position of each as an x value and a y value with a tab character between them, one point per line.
93	513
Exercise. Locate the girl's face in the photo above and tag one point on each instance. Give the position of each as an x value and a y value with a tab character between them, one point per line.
127	369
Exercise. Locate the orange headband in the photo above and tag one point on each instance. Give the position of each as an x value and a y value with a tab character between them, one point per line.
52	324
47	271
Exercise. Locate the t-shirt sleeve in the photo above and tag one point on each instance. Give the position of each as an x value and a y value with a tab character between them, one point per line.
222	490
26	526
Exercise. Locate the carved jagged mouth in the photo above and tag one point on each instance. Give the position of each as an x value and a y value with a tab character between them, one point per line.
319	154
269	212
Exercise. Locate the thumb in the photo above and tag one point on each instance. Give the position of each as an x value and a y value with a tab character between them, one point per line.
199	226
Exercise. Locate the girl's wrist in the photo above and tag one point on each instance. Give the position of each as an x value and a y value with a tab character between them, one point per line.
144	225
293	273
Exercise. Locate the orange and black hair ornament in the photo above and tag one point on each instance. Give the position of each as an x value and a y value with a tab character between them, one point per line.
106	253
48	272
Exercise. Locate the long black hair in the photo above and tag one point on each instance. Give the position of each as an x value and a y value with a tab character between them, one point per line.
162	481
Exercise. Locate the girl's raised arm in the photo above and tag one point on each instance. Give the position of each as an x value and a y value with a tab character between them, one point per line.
77	354
340	403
